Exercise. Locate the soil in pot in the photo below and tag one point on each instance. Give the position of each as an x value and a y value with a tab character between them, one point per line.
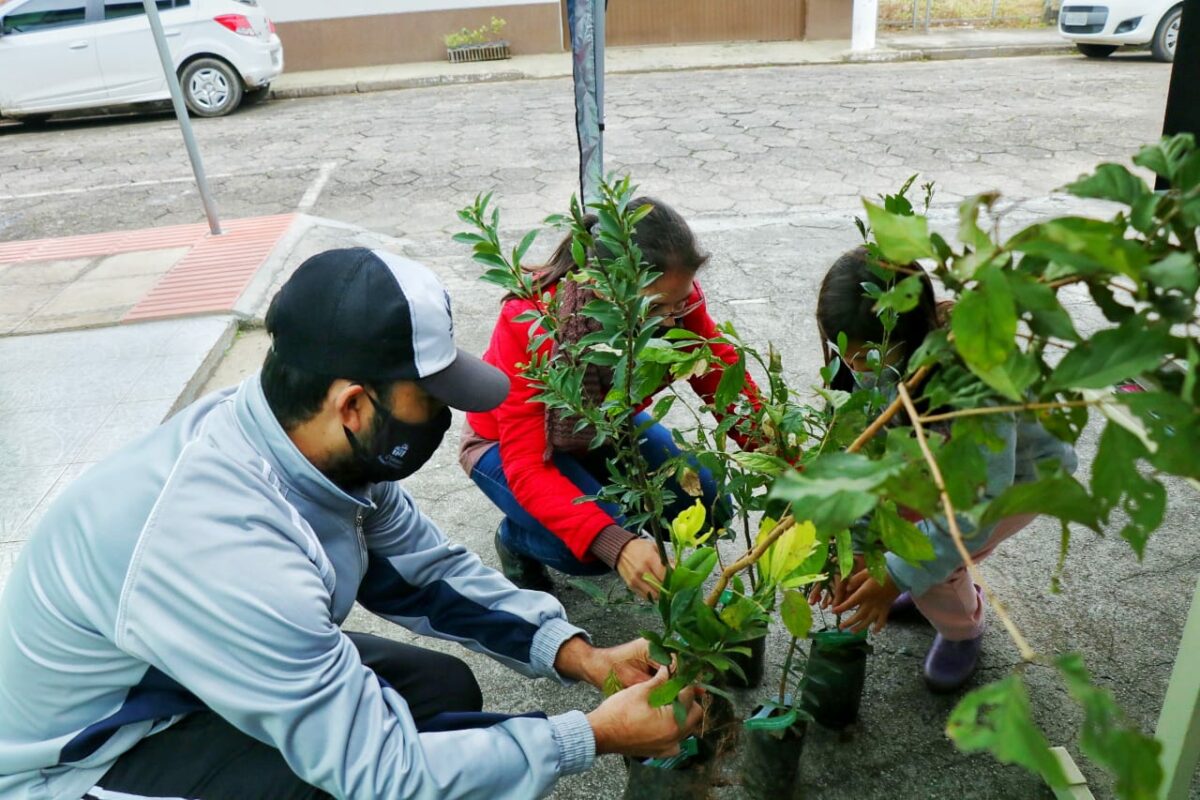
681	777
834	677
772	741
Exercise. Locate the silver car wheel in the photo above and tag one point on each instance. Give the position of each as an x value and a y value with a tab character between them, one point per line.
209	89
1172	36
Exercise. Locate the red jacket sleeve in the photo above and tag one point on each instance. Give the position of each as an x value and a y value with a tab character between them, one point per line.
699	322
548	495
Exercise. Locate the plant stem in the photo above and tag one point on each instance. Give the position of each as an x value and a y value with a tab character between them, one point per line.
787	668
749	545
974	412
782	527
888	413
1026	651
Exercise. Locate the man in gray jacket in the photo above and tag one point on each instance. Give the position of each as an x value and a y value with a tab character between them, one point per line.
172	628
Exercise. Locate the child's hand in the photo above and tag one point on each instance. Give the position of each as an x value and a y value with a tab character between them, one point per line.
823	596
873	600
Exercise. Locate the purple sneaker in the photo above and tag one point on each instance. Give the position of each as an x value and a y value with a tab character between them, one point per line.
951	664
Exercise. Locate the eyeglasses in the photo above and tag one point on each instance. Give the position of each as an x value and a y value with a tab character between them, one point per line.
676	311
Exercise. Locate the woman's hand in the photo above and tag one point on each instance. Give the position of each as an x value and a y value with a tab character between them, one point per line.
638	559
872	599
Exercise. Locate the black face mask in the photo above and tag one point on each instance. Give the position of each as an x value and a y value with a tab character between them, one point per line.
397	449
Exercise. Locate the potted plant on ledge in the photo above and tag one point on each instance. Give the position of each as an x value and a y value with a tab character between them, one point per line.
478	44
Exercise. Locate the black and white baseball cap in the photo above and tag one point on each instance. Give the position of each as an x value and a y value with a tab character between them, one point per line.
371	315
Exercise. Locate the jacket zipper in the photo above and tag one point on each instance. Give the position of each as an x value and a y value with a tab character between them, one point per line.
362	540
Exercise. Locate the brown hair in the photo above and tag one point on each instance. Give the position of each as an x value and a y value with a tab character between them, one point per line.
663	236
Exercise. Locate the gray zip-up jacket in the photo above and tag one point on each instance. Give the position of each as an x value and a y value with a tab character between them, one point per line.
209	564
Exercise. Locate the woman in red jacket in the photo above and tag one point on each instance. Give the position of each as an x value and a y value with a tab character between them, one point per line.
504	450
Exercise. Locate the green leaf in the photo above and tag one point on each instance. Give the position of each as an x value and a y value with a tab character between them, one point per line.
598	595
1012	378
1109	738
1177	271
1047	317
773	723
845	553
901	536
1059	496
1110	182
902	297
969	232
1118	483
834	490
902	238
984	322
761	463
1110	356
612	684
796	613
1165	157
667	692
997	718
523	247
733	380
1173	425
876	565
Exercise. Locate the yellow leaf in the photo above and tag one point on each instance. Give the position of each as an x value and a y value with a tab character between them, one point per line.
689	523
790	551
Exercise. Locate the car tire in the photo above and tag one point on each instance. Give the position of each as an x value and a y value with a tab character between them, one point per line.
211	88
1167	34
1097	50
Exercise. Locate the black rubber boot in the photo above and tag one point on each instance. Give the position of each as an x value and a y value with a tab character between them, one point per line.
522	571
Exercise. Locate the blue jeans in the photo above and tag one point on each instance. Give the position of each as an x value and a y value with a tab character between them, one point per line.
525	536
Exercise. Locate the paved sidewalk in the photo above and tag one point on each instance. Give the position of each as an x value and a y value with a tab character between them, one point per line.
905	46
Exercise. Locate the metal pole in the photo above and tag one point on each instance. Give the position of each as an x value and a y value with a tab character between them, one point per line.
928	13
915	23
995	8
600	9
185	124
863	24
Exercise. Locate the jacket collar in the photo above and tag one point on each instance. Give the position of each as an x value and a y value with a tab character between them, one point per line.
267	436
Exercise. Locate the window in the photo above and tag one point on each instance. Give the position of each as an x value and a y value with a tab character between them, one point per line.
117	9
41	15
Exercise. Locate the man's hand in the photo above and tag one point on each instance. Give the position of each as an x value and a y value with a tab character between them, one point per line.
630	662
626	724
637	559
873	600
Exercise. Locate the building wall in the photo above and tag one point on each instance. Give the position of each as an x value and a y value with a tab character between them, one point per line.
318	34
369	32
646	22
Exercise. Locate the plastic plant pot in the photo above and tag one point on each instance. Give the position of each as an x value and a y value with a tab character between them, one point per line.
772	742
752	664
681	777
834	676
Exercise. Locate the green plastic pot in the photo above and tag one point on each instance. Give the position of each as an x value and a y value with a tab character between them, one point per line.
772	743
834	676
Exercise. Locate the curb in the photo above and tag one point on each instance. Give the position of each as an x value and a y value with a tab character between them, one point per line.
876	57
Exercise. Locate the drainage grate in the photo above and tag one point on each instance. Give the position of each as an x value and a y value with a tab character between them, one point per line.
489	51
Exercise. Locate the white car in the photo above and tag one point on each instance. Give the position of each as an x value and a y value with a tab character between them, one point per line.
63	55
1098	30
